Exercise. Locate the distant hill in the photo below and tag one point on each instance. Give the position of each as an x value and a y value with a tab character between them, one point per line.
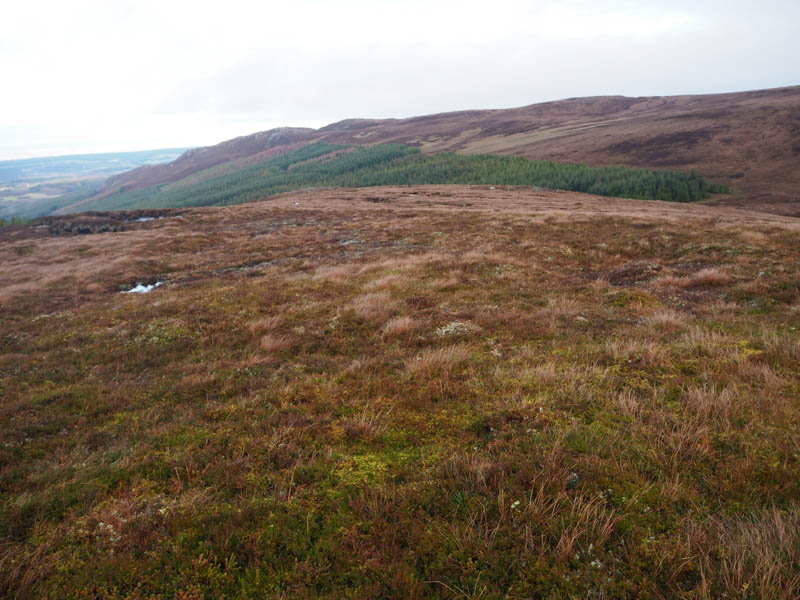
321	164
81	165
36	186
748	140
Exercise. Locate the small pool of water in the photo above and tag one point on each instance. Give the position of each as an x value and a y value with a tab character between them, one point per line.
143	289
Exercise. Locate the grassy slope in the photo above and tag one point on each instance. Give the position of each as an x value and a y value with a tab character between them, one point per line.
747	140
361	399
324	165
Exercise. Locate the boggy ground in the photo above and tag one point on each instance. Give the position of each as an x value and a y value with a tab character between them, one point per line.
408	392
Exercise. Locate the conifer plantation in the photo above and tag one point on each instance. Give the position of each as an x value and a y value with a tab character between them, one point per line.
333	165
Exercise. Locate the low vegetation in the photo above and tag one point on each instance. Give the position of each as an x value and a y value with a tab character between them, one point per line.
42	204
342	398
13	221
329	165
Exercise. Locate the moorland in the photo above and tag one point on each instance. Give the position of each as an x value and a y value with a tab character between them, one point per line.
402	392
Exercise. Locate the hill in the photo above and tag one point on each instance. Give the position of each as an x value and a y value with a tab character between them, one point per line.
334	165
81	165
746	140
408	392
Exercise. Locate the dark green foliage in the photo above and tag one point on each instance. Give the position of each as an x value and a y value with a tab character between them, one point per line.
26	209
329	165
13	221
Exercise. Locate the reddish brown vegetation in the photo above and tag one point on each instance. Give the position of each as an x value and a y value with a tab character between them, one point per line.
747	140
536	395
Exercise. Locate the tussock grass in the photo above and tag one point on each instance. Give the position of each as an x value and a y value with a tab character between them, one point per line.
374	306
669	281
444	283
394	280
275	343
418	412
438	359
706	277
265	324
400	326
666	320
753	555
710	404
336	273
710	276
368	423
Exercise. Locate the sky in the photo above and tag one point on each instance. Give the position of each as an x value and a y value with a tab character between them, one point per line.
83	76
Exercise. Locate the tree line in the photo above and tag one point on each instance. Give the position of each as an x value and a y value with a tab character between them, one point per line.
332	165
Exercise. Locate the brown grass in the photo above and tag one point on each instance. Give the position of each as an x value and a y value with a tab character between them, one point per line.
750	557
336	273
392	280
666	320
753	237
375	306
272	343
368	423
438	359
781	347
710	404
629	404
283	415
635	351
265	324
400	326
707	277
591	523
600	284
710	276
444	283
669	281
758	372
562	306
709	343
472	471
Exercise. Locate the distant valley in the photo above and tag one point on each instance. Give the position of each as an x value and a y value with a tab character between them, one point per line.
32	187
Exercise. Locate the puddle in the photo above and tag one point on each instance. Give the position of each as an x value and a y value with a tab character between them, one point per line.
143	289
145	219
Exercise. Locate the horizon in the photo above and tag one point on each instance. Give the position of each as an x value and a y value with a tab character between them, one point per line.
185	147
143	75
86	154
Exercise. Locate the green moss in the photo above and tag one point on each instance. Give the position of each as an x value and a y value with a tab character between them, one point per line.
329	470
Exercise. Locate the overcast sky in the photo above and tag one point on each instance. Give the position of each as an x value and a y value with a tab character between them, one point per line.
113	75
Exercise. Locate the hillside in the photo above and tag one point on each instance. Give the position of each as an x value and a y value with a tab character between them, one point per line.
402	392
747	140
323	165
